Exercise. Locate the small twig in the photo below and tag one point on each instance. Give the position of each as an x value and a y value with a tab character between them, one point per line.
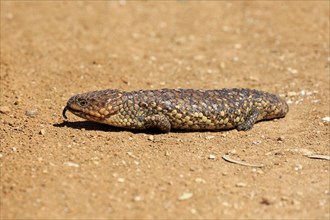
227	158
322	157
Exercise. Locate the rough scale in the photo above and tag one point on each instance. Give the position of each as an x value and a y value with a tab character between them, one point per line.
183	109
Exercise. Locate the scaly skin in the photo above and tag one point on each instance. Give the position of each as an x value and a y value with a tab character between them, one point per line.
184	109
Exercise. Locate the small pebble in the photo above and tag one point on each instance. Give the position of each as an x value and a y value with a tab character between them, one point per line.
18	101
153	58
121	180
137	198
5	109
192	169
31	112
209	71
200	180
151	138
186	196
42	131
71	164
232	152
256	142
212	157
281	138
254	79
326	119
266	201
291	70
14	149
298	167
240	184
209	137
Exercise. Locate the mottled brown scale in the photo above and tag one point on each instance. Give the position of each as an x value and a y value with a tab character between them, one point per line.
185	109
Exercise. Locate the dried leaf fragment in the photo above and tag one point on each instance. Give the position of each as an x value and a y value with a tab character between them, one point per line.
227	158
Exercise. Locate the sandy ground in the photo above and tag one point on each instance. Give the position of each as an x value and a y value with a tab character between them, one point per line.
54	170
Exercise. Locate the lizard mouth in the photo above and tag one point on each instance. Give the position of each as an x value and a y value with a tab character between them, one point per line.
81	114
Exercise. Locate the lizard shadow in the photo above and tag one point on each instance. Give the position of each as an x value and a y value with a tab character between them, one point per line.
94	126
87	125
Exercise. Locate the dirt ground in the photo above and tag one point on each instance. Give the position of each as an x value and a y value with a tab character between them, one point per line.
81	170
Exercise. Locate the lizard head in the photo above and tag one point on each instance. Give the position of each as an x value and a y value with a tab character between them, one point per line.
93	106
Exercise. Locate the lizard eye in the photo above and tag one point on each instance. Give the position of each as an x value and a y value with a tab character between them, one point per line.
83	102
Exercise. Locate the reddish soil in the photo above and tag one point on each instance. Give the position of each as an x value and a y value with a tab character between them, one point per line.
78	170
